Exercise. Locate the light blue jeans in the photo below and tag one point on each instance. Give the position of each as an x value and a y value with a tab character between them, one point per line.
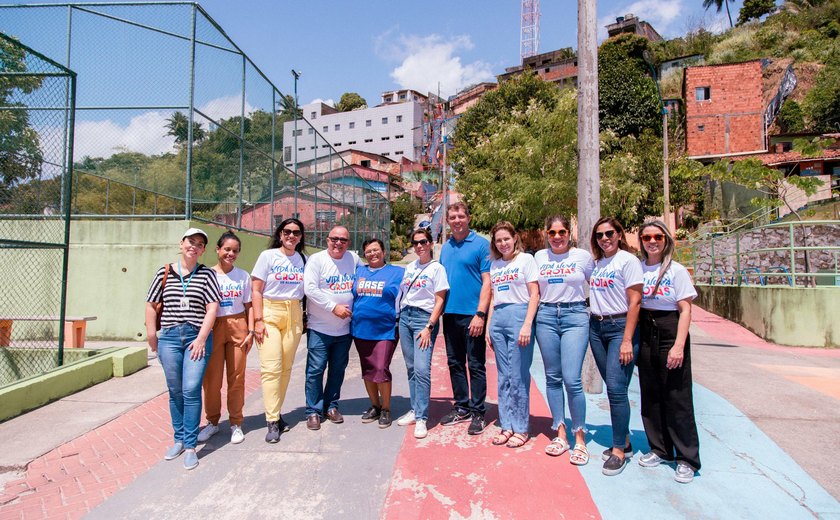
563	336
418	362
605	339
328	354
514	366
183	378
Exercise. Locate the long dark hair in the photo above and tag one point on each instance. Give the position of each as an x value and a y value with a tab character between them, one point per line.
228	235
276	240
597	252
427	235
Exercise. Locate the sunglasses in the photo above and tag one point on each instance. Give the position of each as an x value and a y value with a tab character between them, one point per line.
601	234
291	232
338	240
559	233
421	242
655	238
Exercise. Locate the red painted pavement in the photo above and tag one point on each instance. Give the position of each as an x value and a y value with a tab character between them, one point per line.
450	474
74	478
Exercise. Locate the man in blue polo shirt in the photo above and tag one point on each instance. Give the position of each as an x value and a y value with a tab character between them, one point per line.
466	257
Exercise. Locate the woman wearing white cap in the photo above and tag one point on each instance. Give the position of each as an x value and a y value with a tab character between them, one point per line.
190	295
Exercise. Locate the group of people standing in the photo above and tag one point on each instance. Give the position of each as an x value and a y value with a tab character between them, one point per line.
484	293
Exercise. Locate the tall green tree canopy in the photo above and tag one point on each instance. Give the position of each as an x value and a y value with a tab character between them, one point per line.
719	4
178	127
755	9
516	153
350	101
628	102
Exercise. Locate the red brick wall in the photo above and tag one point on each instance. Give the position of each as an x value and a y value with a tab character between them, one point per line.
731	121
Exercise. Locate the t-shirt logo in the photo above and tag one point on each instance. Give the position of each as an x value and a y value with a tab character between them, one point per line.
340	283
554	272
372	288
602	280
287	273
230	292
503	278
665	287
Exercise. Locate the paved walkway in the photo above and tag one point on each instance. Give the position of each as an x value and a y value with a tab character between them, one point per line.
767	416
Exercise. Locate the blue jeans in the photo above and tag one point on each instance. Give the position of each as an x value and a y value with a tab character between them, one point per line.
183	379
605	339
513	363
418	362
329	354
563	335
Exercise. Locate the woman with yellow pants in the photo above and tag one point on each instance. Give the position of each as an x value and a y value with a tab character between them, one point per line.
277	289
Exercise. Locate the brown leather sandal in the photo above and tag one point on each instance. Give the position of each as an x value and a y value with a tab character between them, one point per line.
517	440
502	437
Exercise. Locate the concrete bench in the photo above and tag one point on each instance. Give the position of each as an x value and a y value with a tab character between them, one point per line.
75	328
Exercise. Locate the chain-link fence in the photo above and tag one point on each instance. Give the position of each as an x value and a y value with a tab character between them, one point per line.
175	121
36	123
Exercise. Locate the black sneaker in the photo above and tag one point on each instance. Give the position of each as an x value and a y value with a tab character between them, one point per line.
628	452
385	418
477	424
371	414
284	426
614	466
454	417
273	434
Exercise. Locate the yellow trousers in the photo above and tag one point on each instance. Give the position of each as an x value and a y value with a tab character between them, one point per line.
283	327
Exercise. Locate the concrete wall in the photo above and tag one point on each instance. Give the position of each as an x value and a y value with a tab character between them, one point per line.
784	315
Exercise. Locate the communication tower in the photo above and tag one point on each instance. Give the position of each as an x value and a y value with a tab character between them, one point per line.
529	41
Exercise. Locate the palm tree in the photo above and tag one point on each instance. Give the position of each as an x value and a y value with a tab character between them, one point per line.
288	108
178	126
719	4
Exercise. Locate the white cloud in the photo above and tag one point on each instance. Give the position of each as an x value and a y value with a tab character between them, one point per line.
431	62
145	133
661	14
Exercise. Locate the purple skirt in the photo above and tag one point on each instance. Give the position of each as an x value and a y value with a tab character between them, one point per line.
375	357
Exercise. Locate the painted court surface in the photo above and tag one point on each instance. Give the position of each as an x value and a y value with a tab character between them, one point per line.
767	415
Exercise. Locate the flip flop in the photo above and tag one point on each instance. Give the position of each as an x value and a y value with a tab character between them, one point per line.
557	447
579	456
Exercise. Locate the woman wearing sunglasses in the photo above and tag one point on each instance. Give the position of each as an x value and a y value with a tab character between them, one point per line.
278	319
615	292
665	356
563	333
515	297
423	292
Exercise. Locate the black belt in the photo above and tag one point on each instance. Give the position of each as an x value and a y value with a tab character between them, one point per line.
566	305
609	316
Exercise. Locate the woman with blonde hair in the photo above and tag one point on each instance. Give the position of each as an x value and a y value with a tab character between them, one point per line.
515	297
665	356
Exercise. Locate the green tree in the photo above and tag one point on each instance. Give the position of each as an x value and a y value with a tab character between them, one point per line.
790	117
719	4
403	210
755	9
178	127
20	152
350	101
628	102
288	109
822	103
521	165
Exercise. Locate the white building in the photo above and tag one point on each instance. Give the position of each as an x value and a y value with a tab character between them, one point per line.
393	129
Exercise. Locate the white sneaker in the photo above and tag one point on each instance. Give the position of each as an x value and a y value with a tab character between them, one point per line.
207	432
406	419
236	434
420	430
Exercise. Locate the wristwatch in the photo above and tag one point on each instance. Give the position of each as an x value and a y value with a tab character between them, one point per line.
430	326
481	314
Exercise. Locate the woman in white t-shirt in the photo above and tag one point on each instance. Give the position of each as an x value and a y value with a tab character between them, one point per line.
278	318
233	334
563	333
515	298
615	292
422	295
665	356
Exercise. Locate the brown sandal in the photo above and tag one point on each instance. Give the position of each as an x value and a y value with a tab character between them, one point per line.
517	440
502	437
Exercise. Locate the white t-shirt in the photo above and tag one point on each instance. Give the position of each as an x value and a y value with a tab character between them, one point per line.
509	279
431	280
675	286
327	283
236	291
283	275
563	277
609	282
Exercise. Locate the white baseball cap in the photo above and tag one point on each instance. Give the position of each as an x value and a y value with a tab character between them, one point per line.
195	231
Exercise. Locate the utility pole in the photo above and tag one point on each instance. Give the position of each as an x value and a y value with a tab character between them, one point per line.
296	74
589	176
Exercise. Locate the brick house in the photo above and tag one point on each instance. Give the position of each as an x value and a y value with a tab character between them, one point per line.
724	112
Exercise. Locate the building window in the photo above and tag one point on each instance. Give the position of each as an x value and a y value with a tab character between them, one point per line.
368	140
701	128
388	99
366	163
399	136
367	123
337	128
386	154
547	70
325	216
336	144
402	96
384	120
351	142
313	115
385	138
703	93
287	153
352	125
302	148
310	131
400	152
325	146
299	131
325	128
399	119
